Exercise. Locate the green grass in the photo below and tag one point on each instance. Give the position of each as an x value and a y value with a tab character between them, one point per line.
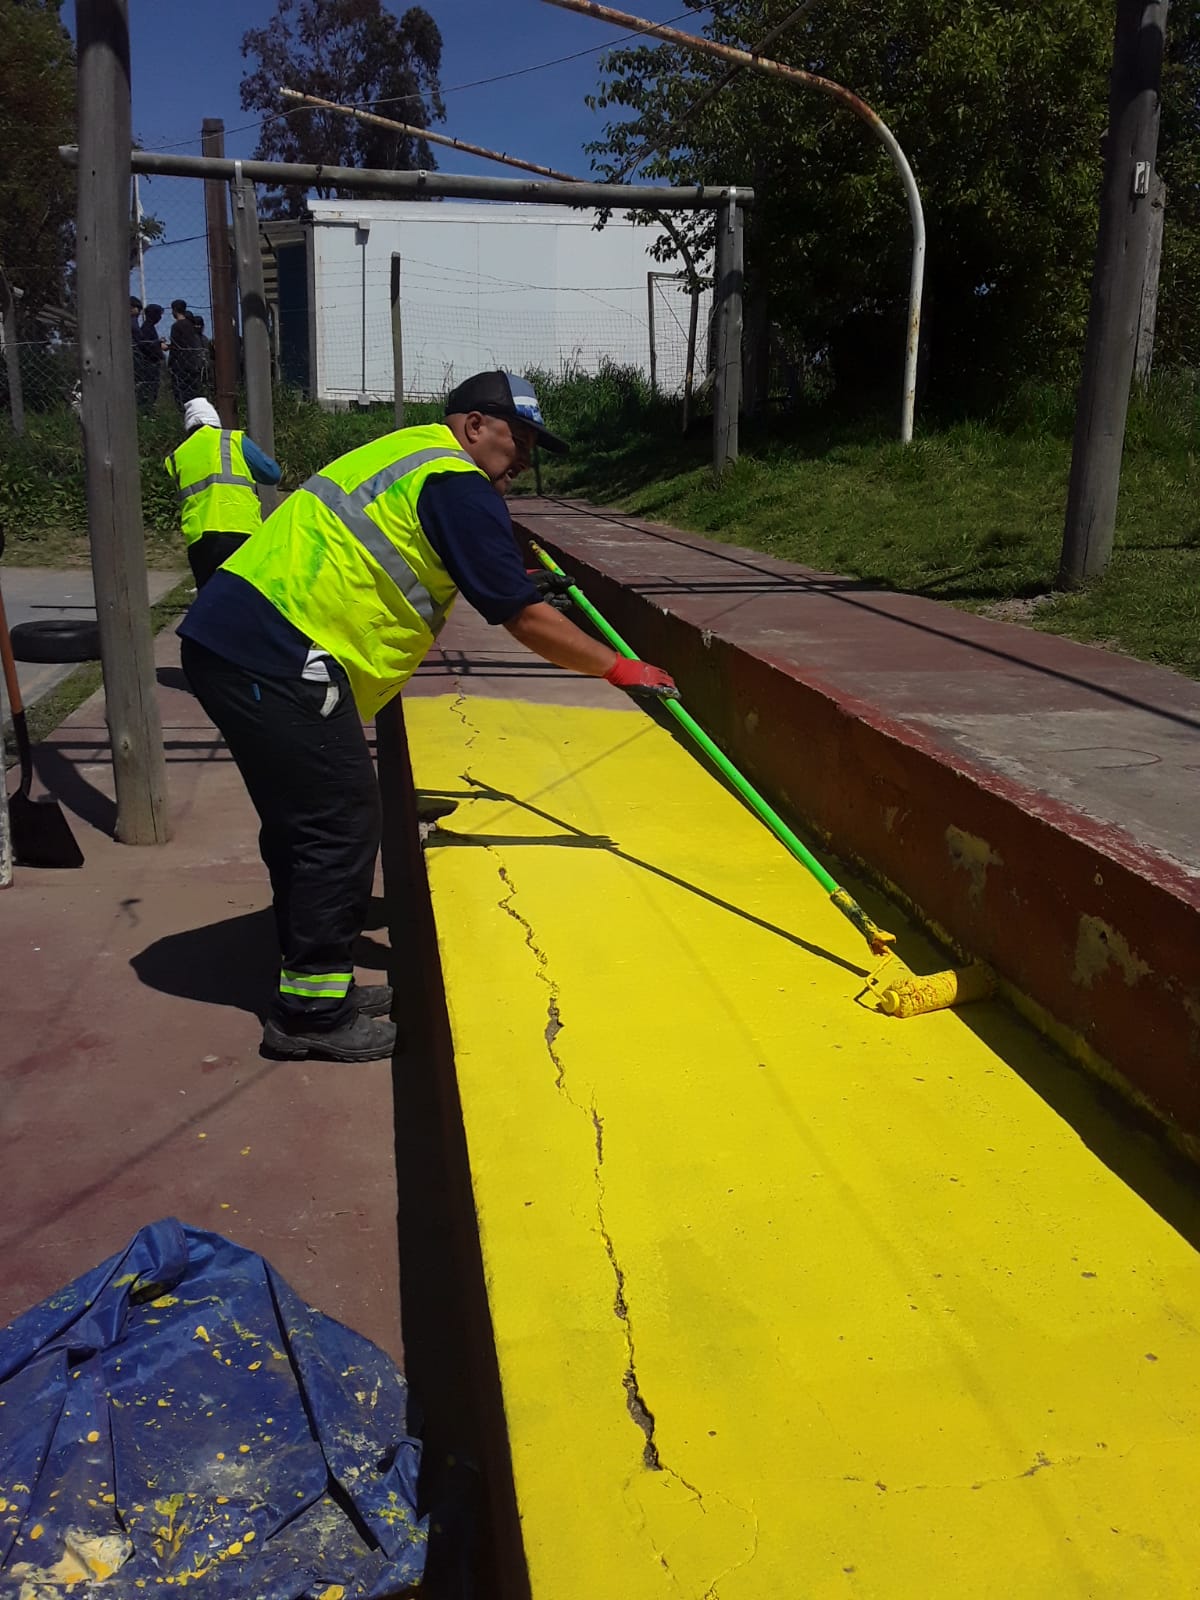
971	513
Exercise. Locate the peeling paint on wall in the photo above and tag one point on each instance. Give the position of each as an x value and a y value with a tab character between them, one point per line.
974	856
1098	946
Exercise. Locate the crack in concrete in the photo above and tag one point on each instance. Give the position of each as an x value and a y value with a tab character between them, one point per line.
457	707
635	1402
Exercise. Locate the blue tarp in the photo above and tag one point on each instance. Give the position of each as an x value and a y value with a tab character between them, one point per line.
179	1417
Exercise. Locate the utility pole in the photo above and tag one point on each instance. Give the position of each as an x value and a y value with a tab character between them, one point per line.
1122	250
256	332
224	333
110	443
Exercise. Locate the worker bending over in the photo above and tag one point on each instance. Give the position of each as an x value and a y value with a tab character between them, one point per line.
214	472
312	626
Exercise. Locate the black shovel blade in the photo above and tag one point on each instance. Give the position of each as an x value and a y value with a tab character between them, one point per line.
41	834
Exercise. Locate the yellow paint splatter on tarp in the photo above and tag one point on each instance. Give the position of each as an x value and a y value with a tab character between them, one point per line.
254	1366
243	1449
86	1557
164	1403
334	1592
235	1549
36	1531
165	1300
201	1333
93	1437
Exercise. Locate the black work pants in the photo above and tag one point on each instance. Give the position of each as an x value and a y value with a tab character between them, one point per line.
206	553
302	752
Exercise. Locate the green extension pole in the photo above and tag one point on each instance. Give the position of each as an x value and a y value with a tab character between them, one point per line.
879	940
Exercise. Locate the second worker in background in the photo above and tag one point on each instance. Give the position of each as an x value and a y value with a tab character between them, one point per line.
214	472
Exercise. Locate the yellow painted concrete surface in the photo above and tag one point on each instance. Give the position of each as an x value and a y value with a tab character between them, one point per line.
789	1299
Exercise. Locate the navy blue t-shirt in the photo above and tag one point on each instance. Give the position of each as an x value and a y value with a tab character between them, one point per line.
465	520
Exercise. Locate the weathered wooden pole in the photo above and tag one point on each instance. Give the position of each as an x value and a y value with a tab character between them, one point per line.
109	417
1122	251
224	333
256	330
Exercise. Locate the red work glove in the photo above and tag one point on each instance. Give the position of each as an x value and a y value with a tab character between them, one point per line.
639	677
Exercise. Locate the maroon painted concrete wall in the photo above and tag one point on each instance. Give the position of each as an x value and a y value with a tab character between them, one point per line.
1075	913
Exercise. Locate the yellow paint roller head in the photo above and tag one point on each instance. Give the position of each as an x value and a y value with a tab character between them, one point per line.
900	993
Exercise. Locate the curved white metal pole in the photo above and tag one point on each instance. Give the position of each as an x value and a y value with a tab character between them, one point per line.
836	91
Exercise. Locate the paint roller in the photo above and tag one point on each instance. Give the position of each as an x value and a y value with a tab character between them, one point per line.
900	993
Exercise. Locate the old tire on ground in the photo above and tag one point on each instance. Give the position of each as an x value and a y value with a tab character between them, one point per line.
60	639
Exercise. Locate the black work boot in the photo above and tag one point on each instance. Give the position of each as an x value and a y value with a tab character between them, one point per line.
363	1038
371	999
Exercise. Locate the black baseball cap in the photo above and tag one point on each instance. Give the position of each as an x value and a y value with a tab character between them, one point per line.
503	394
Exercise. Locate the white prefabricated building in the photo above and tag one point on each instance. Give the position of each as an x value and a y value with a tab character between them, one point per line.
481	285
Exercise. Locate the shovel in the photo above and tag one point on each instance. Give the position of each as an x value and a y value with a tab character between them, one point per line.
41	834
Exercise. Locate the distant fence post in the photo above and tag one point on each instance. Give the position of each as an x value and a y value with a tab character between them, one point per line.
727	392
256	333
110	440
397	341
12	355
650	277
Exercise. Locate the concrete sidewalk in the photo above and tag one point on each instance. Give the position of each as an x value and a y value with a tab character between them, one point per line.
40	594
131	1087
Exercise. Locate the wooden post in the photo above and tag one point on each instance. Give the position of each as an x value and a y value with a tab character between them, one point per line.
224	333
12	355
1143	359
256	332
109	417
1121	254
650	326
397	341
728	375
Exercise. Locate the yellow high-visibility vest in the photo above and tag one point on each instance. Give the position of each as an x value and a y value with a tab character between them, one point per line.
346	561
216	491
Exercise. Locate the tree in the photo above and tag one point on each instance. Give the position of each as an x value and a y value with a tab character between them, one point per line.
1001	108
354	52
37	114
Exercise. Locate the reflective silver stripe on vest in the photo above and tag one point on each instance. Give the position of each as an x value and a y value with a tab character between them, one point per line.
349	506
226	474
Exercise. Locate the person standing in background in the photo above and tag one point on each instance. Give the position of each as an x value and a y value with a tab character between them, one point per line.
147	357
185	362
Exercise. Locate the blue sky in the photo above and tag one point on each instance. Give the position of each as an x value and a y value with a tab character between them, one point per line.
187	65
